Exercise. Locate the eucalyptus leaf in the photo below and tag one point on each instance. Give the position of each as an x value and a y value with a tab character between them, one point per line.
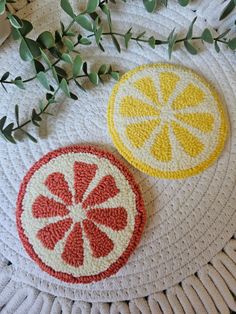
190	48
2	6
29	49
17	114
31	137
19	83
41	76
46	40
98	34
77	66
85	22
116	43
68	43
93	77
150	5
92	5
26	28
38	66
228	9
2	122
115	75
183	2
207	36
5	76
66	6
151	42
232	44
217	48
64	87
67	58
15	21
84	41
127	38
190	30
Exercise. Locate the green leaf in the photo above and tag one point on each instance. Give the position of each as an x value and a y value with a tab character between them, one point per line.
35	116
217	48
141	35
93	77
77	66
64	87
190	30
127	37
183	2
85	22
29	49
45	58
41	76
171	42
105	9
116	43
2	122
228	9
61	72
150	5
232	44
151	42
84	41
68	43
65	4
67	58
92	5
46	40
7	132
115	75
33	139
223	34
2	6
73	96
38	66
15	33
98	34
80	86
190	48
19	83
102	69
5	76
207	36
17	114
15	21
26	28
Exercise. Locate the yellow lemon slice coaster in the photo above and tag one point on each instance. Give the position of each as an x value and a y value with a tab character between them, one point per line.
167	121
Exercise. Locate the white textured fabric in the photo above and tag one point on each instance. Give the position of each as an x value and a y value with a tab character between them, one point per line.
189	222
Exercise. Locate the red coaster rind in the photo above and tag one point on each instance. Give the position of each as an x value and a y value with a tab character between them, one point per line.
140	218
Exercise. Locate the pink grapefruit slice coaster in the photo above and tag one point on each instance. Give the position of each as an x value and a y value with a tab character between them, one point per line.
80	214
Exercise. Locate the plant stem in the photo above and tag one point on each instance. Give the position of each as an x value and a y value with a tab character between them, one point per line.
48	103
158	42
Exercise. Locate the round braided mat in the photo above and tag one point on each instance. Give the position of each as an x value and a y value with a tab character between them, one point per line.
189	221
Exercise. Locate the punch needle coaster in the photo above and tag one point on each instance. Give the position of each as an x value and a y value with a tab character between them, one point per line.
80	214
167	121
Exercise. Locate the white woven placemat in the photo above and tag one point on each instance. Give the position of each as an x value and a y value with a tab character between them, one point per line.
186	261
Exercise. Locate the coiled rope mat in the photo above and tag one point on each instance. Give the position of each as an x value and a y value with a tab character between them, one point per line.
186	261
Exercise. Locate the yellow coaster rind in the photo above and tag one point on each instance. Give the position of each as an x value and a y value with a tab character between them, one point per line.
163	156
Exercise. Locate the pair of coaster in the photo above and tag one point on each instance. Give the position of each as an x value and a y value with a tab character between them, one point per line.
80	214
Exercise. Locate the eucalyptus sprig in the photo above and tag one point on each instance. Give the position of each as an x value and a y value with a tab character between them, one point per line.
58	64
151	5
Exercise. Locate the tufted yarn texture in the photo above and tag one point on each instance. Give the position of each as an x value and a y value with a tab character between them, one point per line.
167	121
186	258
79	214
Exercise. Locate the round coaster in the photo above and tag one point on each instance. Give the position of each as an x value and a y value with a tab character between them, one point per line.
80	214
167	121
